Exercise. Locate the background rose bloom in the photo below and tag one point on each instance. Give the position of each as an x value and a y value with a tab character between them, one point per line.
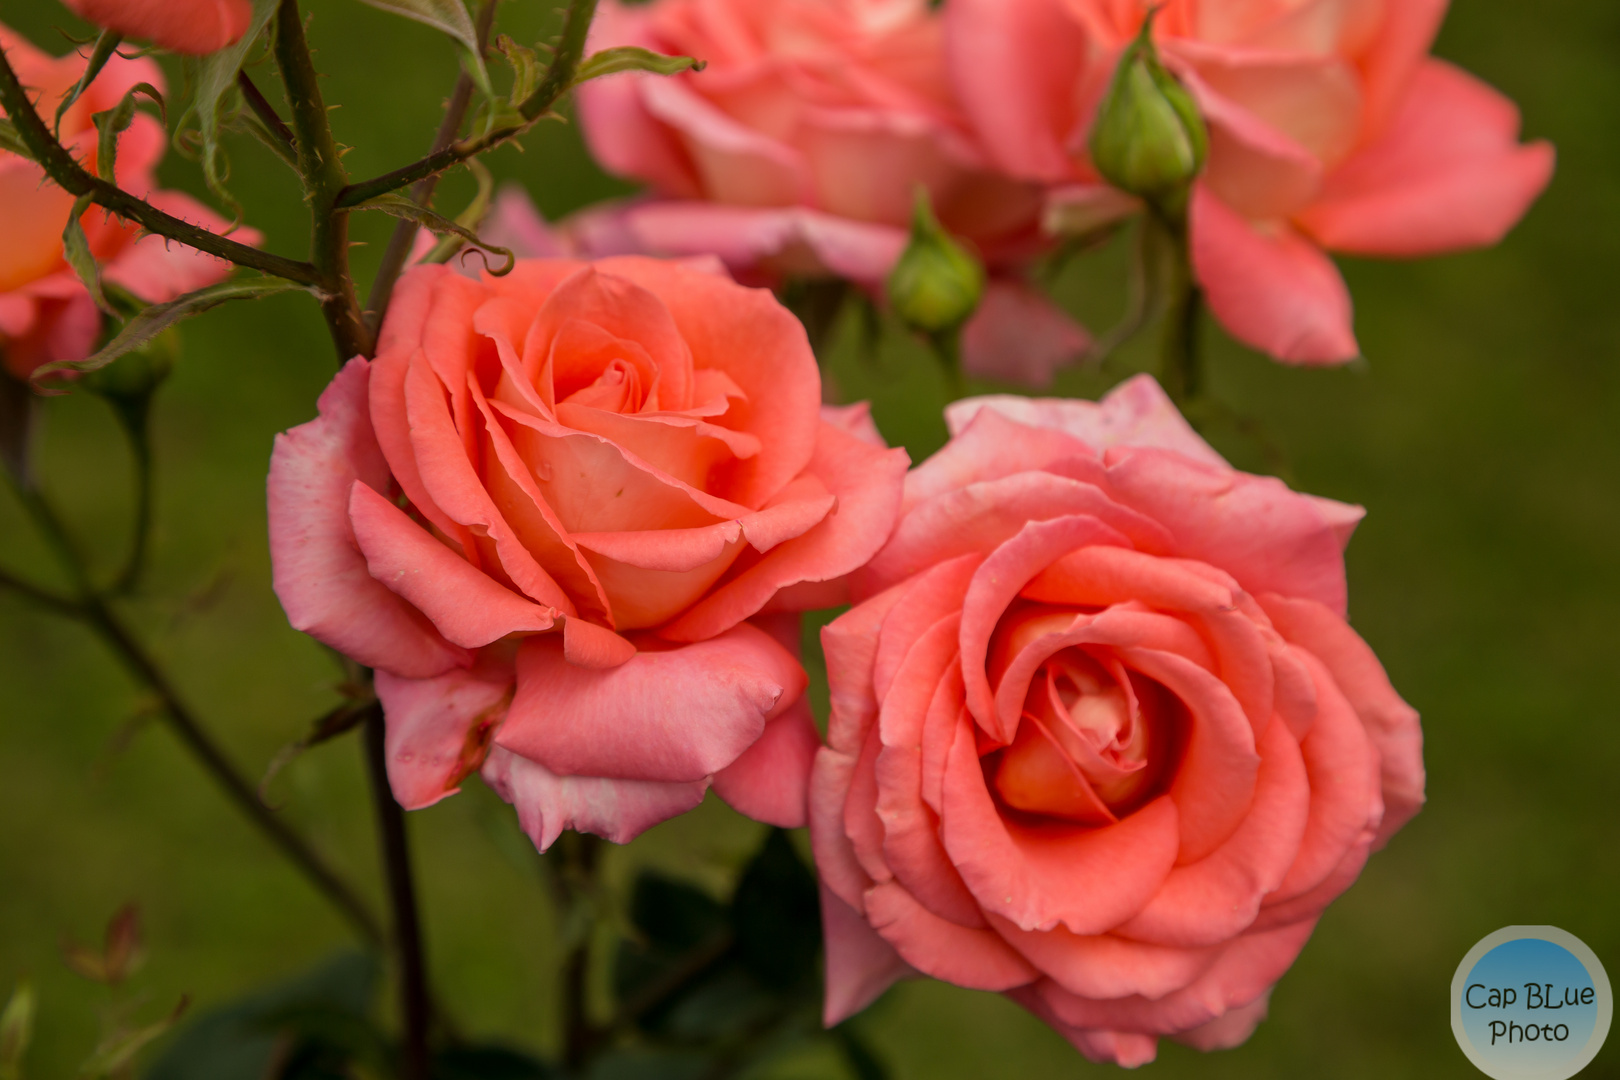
1330	128
799	150
45	311
1100	737
186	26
551	514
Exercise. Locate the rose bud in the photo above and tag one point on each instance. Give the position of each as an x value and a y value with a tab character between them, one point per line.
1148	139
936	284
1101	738
1331	129
567	515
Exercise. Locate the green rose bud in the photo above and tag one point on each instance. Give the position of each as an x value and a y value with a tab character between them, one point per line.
1149	139
936	285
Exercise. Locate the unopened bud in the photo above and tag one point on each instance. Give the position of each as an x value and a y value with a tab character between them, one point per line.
136	375
937	283
1149	139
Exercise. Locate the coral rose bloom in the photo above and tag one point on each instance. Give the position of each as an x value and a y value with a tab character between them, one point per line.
1331	129
551	514
197	27
1100	737
800	149
45	311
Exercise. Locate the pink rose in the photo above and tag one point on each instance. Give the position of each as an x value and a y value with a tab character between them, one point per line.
1331	128
557	514
45	311
197	27
1101	738
799	150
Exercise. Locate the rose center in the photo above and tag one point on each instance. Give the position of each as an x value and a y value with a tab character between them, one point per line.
1091	744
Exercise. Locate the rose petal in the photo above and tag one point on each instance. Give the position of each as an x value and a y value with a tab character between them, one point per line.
673	715
616	810
439	729
320	575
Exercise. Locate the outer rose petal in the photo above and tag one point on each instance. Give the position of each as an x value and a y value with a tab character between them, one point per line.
867	482
439	729
1137	412
1020	336
197	27
748	239
1448	173
1274	291
860	964
1013	63
320	575
617	810
672	715
466	605
770	782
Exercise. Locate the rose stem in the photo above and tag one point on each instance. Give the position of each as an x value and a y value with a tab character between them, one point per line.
407	928
558	78
405	232
1180	359
321	167
92	609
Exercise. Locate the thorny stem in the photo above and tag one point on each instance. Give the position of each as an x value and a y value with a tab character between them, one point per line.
415	1010
92	609
559	77
265	111
405	232
68	174
324	180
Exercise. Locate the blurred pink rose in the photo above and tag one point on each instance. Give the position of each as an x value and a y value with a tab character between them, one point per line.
45	311
558	514
197	27
1101	738
799	150
1330	128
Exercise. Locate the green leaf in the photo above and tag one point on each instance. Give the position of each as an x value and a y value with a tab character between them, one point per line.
16	1031
400	206
633	58
113	122
106	45
449	17
236	1041
152	321
216	100
76	249
776	916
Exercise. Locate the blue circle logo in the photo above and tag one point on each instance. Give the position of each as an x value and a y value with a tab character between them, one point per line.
1531	1003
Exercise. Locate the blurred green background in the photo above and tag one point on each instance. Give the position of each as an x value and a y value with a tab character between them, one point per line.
1481	435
